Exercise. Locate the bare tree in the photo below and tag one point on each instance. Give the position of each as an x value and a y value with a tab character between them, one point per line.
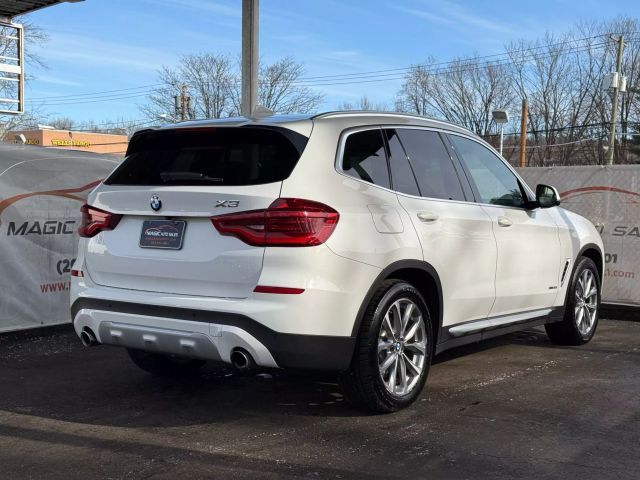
280	88
213	84
209	80
415	94
27	121
123	126
62	123
560	79
629	111
465	92
119	126
364	103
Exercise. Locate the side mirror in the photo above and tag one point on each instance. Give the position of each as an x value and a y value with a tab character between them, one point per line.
547	196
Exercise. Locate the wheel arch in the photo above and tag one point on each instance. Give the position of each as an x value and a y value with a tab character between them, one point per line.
423	277
592	251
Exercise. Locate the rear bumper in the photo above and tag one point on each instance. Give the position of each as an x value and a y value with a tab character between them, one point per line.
207	334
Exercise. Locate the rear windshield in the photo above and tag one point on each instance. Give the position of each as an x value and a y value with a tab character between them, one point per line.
210	156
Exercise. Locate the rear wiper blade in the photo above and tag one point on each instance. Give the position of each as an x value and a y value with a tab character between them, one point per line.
190	176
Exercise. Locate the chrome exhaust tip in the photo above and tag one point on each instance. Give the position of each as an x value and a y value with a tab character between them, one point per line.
88	338
242	360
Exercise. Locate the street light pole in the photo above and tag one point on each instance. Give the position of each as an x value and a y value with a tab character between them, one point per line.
614	109
250	30
501	117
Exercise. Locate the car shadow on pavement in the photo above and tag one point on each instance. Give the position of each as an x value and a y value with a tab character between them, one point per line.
53	376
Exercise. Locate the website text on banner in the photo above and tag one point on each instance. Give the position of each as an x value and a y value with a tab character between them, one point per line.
41	192
609	197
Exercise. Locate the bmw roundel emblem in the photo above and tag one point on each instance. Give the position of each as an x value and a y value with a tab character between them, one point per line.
156	203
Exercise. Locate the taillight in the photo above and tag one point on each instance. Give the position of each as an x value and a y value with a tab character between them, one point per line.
288	222
95	221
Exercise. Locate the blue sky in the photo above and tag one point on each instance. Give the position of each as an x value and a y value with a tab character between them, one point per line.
103	45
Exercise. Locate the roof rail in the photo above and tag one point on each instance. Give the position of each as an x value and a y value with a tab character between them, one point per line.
337	113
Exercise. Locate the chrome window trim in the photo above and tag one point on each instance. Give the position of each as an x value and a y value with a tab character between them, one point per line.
341	144
351	130
504	162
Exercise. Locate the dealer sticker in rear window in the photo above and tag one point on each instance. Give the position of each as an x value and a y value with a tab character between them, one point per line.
166	234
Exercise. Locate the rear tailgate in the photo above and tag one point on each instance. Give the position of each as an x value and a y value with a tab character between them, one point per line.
188	176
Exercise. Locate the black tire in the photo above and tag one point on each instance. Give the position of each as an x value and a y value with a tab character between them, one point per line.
567	331
165	365
362	384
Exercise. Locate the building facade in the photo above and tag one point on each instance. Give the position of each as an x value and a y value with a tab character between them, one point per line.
69	139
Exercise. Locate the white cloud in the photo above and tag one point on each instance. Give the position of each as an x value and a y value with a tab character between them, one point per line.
451	13
88	51
426	15
58	81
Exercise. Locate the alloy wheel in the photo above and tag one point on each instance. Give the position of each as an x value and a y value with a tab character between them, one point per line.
586	302
402	347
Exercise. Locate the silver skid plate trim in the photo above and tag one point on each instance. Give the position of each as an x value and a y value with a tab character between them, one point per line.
496	322
187	344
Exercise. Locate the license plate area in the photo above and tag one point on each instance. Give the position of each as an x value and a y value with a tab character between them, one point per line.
163	234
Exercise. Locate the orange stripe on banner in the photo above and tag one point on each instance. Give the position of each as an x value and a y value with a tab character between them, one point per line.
66	193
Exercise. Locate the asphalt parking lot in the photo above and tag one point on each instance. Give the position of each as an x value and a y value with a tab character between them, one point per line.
512	407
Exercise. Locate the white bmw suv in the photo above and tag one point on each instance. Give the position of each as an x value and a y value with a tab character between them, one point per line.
362	243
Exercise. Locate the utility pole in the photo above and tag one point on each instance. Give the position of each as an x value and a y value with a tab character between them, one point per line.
182	103
616	90
249	56
523	133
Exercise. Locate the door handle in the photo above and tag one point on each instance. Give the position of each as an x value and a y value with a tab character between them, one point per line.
504	222
427	217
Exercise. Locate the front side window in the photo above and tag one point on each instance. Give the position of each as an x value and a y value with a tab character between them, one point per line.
495	182
431	164
364	157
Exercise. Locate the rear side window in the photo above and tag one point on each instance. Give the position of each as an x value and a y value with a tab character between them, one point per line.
210	156
365	158
404	180
430	161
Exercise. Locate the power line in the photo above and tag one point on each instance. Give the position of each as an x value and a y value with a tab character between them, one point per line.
558	129
562	144
503	54
350	78
105	99
429	65
466	65
460	66
98	93
113	125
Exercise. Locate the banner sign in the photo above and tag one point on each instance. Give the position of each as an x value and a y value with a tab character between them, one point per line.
609	197
41	192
